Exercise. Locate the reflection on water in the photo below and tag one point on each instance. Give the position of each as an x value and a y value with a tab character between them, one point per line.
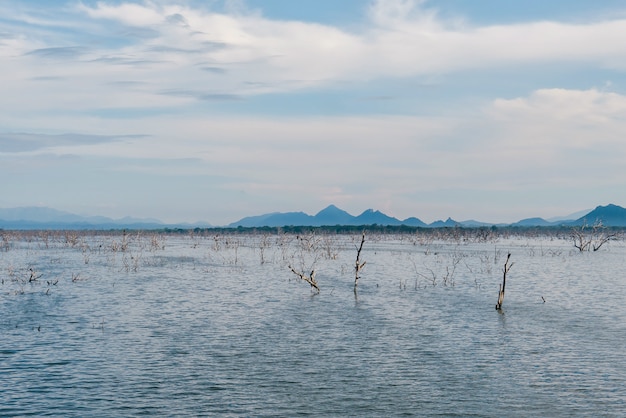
219	325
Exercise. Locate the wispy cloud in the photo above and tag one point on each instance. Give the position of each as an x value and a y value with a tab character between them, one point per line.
61	53
25	142
200	95
189	47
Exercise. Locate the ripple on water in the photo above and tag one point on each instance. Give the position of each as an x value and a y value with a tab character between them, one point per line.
200	331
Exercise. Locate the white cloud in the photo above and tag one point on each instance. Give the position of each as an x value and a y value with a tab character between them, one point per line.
549	139
127	13
571	106
559	122
248	54
393	14
543	126
153	56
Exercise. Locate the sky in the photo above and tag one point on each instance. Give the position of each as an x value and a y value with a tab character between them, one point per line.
184	110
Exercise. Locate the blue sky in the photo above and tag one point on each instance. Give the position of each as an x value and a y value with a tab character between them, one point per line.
215	110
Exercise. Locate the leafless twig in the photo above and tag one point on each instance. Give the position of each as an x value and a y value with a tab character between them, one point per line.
358	265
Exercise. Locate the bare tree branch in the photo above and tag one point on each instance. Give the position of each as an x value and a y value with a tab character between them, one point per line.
505	270
358	265
310	279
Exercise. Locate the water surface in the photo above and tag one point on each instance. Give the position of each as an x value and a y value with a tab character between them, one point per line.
203	325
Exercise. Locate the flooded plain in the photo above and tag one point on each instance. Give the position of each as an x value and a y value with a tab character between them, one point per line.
203	324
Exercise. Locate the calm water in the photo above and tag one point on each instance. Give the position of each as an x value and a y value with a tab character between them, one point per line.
187	325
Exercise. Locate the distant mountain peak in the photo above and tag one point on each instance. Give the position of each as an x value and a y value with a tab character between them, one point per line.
371	217
332	215
413	221
609	215
610	205
331	209
447	223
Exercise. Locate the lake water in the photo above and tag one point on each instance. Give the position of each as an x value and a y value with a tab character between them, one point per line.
183	325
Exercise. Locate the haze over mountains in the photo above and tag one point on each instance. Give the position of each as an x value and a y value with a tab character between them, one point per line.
47	218
35	217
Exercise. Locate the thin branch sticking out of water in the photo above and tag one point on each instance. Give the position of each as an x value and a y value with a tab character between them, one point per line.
358	265
310	279
506	269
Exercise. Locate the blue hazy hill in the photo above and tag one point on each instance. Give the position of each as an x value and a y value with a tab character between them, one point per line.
413	221
47	218
332	215
37	217
534	222
609	215
329	216
274	219
375	217
447	223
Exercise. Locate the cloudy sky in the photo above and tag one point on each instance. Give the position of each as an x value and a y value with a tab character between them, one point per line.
214	110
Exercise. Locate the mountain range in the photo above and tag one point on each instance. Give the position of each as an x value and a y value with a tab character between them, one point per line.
36	217
610	215
47	218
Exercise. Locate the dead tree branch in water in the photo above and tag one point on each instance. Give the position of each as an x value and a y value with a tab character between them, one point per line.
310	279
505	270
601	236
593	239
358	265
